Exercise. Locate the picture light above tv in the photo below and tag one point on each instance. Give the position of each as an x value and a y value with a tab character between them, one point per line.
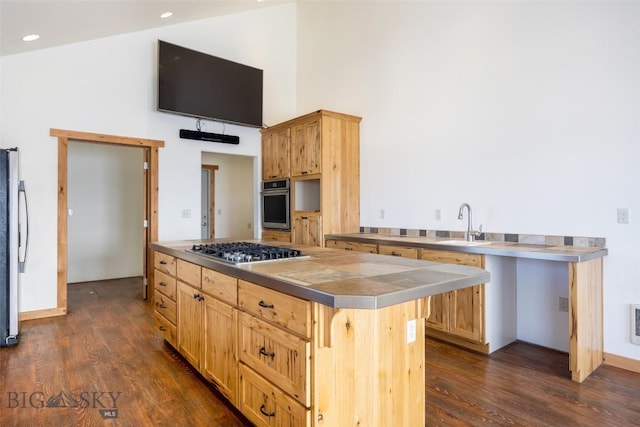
196	84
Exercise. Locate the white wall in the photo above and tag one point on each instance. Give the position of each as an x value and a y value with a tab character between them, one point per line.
105	192
526	110
235	193
108	86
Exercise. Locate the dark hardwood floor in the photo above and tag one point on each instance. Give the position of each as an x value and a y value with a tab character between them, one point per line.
104	355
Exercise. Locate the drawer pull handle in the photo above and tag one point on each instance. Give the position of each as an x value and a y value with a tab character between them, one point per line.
161	305
396	254
265	413
163	284
263	351
265	305
348	249
162	328
163	262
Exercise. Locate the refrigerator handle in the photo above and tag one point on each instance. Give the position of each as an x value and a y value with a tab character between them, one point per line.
22	264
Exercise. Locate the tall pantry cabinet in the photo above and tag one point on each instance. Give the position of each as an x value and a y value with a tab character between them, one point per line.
320	153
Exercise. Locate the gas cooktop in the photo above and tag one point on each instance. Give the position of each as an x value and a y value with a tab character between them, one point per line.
245	252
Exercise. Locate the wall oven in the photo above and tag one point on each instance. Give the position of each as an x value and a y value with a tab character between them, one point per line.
275	204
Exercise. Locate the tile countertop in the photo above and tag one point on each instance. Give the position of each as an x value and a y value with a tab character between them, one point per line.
340	279
507	249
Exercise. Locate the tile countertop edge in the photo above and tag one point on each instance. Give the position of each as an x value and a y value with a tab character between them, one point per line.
505	249
334	300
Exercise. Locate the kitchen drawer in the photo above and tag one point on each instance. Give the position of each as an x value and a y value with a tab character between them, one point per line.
220	285
371	248
165	306
276	236
280	357
402	251
165	328
287	311
165	284
452	257
265	405
164	263
189	273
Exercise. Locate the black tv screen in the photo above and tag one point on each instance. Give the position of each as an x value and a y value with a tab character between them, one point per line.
200	85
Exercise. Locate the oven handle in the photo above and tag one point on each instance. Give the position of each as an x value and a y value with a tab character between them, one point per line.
277	192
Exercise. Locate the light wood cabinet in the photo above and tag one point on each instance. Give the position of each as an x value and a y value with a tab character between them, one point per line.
207	328
371	248
165	297
275	153
325	147
458	314
220	347
306	148
190	323
307	228
401	251
285	361
276	235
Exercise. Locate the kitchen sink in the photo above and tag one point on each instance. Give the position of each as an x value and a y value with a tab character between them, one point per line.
462	242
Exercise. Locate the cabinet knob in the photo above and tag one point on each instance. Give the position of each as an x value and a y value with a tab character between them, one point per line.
163	262
162	284
161	305
162	328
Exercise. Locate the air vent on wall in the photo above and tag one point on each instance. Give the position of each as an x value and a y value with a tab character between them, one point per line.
208	136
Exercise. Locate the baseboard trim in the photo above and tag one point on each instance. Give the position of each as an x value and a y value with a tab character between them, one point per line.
41	314
622	362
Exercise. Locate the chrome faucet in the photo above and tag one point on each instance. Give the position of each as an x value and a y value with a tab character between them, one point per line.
470	234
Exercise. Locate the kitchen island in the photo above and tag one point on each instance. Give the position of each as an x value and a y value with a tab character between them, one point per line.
328	339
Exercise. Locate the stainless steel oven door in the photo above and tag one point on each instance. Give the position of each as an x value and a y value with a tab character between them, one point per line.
275	209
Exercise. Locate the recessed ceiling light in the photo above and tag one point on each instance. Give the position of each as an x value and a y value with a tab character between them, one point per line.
166	15
31	37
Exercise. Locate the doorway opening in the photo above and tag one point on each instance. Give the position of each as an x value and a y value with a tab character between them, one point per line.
150	202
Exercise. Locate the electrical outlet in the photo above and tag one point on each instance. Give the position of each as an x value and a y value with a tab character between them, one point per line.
381	213
411	331
563	304
438	214
623	215
186	213
635	324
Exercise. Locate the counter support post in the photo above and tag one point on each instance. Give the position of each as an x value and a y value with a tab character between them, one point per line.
585	318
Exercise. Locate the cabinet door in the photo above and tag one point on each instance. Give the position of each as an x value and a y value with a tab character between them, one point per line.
220	351
275	154
307	229
306	148
461	312
190	315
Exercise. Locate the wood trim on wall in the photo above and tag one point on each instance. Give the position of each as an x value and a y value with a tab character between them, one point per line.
621	362
212	199
151	153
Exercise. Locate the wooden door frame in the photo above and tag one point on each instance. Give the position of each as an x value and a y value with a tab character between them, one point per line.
212	198
150	147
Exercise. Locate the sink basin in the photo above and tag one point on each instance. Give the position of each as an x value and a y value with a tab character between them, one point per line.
462	242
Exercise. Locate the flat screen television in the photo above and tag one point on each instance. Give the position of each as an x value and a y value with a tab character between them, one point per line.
196	84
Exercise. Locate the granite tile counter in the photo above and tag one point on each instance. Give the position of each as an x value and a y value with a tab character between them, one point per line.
338	279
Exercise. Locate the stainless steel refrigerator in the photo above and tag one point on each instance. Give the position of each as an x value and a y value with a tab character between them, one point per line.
12	251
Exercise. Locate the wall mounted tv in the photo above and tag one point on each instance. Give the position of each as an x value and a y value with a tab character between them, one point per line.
200	85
